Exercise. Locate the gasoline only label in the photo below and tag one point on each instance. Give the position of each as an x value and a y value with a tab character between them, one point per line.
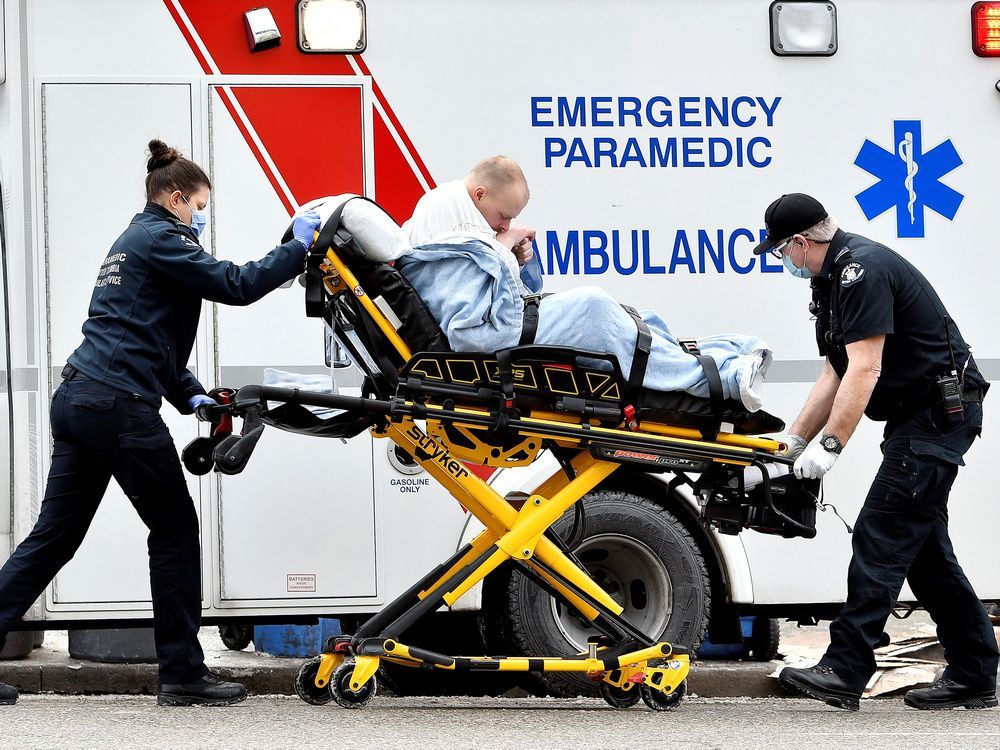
410	484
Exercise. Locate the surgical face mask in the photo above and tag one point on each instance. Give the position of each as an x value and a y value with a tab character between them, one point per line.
794	270
198	220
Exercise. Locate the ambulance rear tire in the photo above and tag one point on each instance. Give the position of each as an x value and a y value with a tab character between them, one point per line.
236	637
643	556
765	639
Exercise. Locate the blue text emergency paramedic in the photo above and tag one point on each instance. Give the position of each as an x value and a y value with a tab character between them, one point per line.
891	349
105	416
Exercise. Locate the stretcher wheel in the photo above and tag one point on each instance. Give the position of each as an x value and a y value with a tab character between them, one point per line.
618	698
197	456
305	684
340	688
660	701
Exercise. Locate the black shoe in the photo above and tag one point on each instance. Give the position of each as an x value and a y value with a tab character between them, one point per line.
8	695
949	694
206	691
820	683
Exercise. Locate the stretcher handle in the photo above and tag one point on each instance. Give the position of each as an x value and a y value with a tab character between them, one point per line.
807	532
253	395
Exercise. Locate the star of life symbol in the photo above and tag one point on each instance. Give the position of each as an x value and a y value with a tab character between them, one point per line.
909	179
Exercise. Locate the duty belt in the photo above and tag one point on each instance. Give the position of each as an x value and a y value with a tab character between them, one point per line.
71	373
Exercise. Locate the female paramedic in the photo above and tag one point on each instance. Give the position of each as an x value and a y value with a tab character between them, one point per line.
105	415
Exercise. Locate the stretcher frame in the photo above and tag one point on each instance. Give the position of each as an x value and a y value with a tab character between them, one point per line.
628	663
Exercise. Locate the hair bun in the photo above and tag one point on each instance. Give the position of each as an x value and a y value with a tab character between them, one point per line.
160	155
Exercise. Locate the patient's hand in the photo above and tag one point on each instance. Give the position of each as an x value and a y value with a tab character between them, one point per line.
523	251
518	238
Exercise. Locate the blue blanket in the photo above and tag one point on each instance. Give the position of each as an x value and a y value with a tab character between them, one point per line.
474	298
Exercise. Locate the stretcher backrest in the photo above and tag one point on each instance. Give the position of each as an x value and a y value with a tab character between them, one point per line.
379	338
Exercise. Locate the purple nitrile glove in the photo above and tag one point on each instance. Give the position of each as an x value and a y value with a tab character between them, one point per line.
304	228
200	399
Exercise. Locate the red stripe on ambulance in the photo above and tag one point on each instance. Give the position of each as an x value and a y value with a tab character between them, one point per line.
312	135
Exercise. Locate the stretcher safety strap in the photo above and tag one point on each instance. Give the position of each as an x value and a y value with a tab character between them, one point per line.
643	346
529	324
711	373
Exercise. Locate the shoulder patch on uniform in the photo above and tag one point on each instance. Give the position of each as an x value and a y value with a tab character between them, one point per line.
853	272
188	241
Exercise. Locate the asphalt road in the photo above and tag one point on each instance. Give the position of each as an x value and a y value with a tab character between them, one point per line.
131	723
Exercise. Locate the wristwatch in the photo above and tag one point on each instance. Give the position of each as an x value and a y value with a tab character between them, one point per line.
831	443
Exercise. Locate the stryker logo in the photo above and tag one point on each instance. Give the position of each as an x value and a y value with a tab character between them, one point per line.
437	453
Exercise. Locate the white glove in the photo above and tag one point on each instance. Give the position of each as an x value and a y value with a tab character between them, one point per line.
814	462
796	444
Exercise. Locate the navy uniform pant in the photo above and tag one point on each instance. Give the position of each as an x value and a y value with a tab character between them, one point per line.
902	533
101	432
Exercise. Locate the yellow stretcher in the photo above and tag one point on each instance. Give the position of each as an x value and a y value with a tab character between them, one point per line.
501	409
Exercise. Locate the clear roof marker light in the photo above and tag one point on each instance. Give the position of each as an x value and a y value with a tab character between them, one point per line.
803	28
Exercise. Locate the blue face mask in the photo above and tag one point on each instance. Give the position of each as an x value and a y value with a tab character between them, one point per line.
794	270
198	220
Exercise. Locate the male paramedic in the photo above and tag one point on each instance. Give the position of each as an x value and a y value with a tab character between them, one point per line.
894	354
106	414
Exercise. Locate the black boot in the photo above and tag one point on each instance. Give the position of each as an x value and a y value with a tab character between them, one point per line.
8	695
947	693
206	691
820	683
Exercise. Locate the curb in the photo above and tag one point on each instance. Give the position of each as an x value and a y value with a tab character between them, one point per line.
713	679
735	679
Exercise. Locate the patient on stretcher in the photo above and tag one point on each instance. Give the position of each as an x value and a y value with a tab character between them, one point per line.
478	289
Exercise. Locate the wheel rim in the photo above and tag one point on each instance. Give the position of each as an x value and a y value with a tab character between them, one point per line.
633	575
344	687
306	684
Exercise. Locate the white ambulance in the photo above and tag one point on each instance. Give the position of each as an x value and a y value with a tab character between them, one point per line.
653	135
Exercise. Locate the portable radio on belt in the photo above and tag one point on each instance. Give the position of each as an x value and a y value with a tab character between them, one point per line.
950	386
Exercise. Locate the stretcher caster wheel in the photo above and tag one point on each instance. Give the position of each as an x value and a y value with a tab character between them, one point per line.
660	701
618	698
305	684
197	456
340	688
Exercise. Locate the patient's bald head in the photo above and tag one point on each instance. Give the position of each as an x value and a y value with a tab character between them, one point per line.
498	189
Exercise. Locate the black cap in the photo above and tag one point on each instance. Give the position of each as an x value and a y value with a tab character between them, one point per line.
790	214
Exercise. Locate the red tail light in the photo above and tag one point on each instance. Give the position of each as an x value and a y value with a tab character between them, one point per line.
986	29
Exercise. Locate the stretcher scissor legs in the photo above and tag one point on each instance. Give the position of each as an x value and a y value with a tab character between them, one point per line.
628	663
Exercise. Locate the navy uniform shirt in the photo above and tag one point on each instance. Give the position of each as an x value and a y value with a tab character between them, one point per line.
865	290
144	312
